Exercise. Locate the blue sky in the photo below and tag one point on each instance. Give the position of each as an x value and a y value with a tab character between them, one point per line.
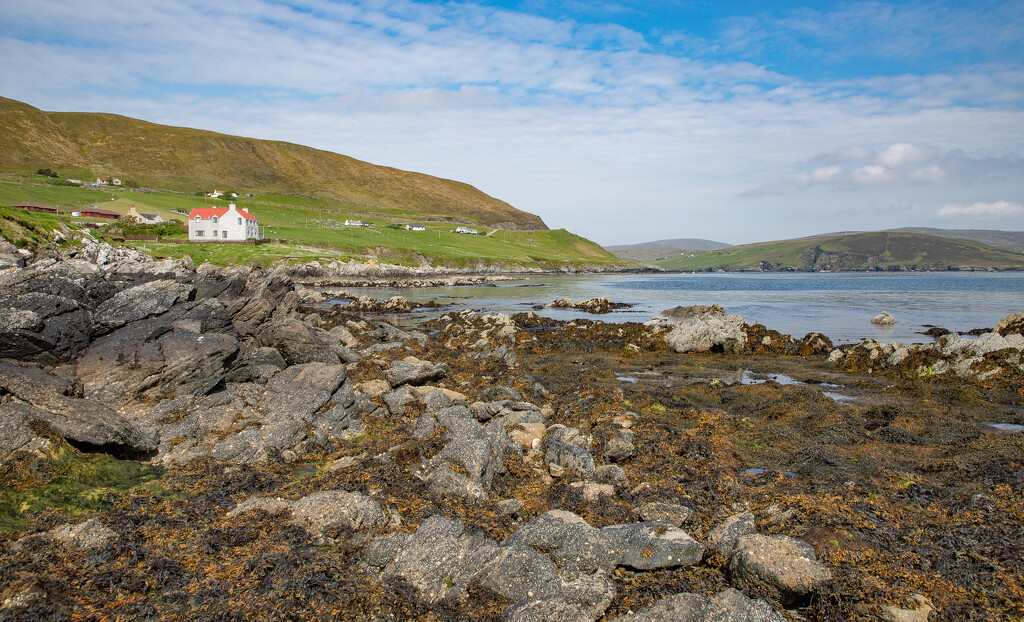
621	121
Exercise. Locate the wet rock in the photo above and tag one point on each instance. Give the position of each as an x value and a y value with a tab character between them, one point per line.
883	319
619	446
779	567
655	544
1011	324
593	305
671	513
520	573
701	329
611	474
723	539
398	399
508	507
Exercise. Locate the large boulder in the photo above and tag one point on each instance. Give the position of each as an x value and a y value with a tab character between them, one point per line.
298	342
701	328
727	606
82	421
723	539
155	359
779	567
141	302
655	544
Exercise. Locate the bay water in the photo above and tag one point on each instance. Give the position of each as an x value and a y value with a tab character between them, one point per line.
839	305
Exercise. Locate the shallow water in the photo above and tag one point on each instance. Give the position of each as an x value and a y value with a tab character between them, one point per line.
839	305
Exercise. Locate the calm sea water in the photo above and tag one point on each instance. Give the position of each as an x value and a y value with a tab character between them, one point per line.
839	305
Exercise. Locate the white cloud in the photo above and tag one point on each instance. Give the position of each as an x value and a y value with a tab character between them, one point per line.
826	174
903	154
932	173
872	174
997	209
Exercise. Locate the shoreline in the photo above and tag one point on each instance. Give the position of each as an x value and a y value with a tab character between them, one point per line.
480	465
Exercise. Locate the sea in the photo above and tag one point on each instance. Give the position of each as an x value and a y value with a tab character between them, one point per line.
839	305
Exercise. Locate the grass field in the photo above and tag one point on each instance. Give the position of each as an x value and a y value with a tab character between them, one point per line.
313	228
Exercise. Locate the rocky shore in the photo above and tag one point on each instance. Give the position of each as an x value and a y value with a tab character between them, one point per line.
184	443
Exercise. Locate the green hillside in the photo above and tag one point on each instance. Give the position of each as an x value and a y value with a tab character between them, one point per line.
304	229
861	251
90	145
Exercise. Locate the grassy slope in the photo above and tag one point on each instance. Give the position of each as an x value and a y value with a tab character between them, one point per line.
88	145
890	249
311	229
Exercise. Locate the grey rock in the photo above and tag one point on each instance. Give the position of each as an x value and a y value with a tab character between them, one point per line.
570	436
655	544
779	567
506	507
612	474
298	342
498	392
77	419
90	535
398	399
321	512
701	329
727	606
723	538
300	390
619	446
570	541
672	513
270	505
152	360
141	302
569	457
415	372
440	560
521	573
383	550
545	611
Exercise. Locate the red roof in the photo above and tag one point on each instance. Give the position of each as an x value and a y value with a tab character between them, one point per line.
210	212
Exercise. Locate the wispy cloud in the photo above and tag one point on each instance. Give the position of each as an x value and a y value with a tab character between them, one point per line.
572	119
996	209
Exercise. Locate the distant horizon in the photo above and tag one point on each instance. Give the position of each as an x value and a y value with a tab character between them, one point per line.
616	121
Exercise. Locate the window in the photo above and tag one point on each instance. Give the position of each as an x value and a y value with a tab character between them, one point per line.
200	233
239	221
223	234
214	219
198	218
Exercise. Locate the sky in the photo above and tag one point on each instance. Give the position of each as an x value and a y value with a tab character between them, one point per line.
623	122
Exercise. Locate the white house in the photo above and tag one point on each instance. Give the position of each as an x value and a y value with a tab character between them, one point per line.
222	224
216	194
108	181
356	223
466	230
415	228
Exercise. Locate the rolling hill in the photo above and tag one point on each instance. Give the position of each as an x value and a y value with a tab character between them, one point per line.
862	251
649	251
90	145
